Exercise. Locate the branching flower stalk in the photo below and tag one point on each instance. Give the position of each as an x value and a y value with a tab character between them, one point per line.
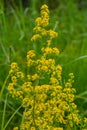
49	104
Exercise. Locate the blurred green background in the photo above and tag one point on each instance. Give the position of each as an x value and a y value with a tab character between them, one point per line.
68	17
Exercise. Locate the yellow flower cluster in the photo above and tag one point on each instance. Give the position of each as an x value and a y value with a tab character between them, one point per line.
30	56
48	102
48	50
16	76
41	23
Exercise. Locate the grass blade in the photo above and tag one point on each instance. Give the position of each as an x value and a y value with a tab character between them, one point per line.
3	86
3	116
12	117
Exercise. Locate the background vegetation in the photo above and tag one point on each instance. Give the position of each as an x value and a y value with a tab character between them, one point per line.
69	18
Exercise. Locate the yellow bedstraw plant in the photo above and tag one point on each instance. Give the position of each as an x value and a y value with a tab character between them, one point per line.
48	102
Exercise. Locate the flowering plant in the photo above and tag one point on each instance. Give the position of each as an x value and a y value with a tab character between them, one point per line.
48	101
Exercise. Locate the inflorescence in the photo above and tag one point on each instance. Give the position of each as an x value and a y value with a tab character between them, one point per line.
48	102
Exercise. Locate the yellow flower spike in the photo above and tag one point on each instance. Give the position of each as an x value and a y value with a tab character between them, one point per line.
48	102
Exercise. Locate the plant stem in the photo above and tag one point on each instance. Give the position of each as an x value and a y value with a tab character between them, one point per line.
3	116
12	116
4	86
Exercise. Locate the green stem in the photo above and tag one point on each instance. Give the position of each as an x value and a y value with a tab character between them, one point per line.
22	121
80	97
4	86
3	116
33	115
3	15
5	52
12	117
33	6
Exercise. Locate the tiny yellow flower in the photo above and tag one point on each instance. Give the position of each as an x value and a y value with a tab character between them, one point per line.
48	42
52	33
20	74
38	21
15	128
14	65
35	37
44	7
35	76
30	54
